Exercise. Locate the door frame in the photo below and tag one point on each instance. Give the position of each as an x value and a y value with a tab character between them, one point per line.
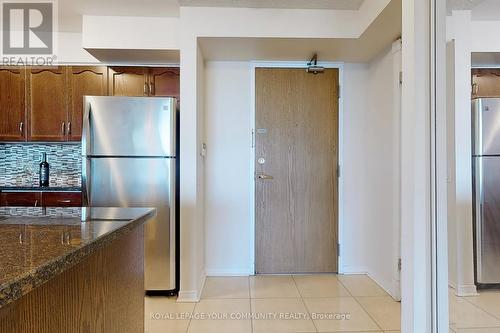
340	183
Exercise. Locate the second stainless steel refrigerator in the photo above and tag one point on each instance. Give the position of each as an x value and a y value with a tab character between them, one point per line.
486	189
129	160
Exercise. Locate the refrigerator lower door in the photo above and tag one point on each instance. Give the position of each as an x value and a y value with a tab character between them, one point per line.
487	219
141	182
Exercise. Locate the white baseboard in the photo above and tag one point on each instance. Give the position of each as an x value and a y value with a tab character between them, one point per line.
228	272
353	270
390	286
192	296
466	290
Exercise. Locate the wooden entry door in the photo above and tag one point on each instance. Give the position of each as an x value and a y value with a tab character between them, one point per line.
296	185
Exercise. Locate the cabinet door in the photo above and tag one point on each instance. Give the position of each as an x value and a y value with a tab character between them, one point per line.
128	81
61	199
485	83
12	111
164	82
28	199
47	104
83	80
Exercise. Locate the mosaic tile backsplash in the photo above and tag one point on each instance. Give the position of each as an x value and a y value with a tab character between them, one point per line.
19	164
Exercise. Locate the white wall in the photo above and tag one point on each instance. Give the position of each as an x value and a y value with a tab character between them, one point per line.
451	205
368	169
130	32
355	92
380	171
227	172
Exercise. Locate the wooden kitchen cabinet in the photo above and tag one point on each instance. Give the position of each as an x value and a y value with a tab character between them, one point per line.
28	199
485	82
144	81
12	110
128	81
47	104
61	199
40	199
164	82
83	80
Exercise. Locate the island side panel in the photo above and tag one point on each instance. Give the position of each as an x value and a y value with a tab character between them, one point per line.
104	293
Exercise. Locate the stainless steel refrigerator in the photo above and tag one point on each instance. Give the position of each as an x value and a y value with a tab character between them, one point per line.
486	189
129	160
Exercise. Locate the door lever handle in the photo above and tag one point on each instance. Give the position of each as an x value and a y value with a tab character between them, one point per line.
264	176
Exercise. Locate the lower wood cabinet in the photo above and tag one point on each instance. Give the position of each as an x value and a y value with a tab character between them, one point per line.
38	199
62	199
28	199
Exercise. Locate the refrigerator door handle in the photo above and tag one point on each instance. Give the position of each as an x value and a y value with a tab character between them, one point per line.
86	128
86	180
479	193
86	153
173	238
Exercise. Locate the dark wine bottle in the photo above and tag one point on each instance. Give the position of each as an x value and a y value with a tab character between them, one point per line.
44	171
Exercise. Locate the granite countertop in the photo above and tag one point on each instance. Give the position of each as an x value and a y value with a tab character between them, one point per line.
37	244
40	189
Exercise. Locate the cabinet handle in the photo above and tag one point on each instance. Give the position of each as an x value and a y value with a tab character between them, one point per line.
145	88
151	88
36	203
21	127
64	201
69	127
63	128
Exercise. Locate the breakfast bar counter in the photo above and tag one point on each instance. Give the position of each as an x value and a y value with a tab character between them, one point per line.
77	268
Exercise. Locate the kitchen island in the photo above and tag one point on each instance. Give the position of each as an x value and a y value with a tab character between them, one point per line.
72	269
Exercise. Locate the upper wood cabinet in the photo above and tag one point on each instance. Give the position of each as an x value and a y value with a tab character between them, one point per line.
144	81
164	82
83	80
12	110
485	82
128	81
47	104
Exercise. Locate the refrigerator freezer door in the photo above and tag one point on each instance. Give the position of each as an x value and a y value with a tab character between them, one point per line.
128	126
141	182
486	126
487	218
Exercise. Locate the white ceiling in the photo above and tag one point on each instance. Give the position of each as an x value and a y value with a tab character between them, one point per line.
462	4
299	4
485	59
380	34
71	11
486	10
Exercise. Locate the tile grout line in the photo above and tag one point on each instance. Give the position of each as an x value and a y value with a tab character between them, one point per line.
250	300
304	303
480	308
369	315
192	314
343	285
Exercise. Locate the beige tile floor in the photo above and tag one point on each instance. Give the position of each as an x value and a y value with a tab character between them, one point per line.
475	314
279	304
